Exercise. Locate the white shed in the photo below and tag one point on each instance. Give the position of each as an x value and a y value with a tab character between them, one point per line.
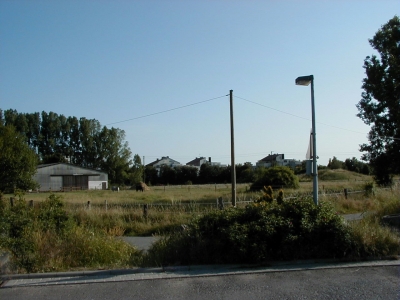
63	176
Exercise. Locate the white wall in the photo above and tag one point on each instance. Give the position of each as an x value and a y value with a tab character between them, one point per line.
96	185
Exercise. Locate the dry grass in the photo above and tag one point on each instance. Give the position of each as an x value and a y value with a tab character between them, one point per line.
159	194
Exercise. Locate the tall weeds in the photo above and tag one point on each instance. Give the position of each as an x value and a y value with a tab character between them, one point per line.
46	238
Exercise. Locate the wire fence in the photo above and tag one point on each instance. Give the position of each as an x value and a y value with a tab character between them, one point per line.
205	205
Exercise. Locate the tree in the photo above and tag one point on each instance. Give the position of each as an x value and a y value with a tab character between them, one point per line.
18	162
279	176
380	103
136	171
151	175
185	174
111	154
334	163
167	175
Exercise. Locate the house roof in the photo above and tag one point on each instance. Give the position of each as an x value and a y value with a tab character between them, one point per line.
162	158
195	162
271	157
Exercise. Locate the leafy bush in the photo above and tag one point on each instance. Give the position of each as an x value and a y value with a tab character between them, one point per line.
369	189
275	177
295	229
52	215
45	238
17	223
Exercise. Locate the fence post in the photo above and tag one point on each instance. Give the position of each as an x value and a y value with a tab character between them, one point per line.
220	203
345	193
30	203
88	205
145	211
105	202
11	201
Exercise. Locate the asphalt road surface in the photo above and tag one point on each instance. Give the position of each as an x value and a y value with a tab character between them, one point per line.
373	282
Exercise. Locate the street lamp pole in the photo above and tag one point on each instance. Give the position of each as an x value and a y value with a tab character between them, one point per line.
306	80
233	168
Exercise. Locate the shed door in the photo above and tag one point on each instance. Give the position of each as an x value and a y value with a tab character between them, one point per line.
80	181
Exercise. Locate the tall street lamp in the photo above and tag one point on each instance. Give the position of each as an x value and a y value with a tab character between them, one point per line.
306	80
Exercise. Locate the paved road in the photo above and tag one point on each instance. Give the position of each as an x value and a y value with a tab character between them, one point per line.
377	280
141	242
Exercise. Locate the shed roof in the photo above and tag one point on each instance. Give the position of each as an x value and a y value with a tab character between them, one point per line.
41	166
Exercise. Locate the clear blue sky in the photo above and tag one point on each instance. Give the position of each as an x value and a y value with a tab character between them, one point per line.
121	60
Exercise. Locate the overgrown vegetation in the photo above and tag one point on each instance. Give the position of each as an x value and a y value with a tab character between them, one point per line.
56	235
288	230
46	238
257	234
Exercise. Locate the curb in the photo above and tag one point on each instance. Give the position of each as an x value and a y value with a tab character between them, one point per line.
248	268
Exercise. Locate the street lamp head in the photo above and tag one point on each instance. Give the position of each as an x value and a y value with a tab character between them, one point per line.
304	80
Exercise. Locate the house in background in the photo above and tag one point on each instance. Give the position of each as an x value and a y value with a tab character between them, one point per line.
164	161
273	160
198	161
63	176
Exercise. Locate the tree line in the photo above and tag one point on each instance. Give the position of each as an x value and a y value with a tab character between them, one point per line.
191	175
84	142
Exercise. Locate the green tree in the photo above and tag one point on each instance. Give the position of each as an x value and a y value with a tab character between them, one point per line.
114	155
334	163
167	175
17	161
185	174
151	175
33	129
245	173
136	171
380	103
276	177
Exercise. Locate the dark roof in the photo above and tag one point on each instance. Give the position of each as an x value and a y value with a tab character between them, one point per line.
271	157
195	162
153	163
164	157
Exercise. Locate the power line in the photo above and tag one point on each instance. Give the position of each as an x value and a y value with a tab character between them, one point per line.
281	111
284	112
165	111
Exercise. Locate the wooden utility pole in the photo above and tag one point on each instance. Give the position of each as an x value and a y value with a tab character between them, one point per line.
144	173
233	169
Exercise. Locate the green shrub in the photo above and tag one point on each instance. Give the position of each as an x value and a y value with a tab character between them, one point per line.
295	229
369	189
275	177
45	238
52	215
15	235
327	175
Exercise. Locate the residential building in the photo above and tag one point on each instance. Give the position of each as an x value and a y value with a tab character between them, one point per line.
164	161
198	161
273	160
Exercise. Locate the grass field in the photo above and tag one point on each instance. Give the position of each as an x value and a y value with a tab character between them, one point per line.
169	207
